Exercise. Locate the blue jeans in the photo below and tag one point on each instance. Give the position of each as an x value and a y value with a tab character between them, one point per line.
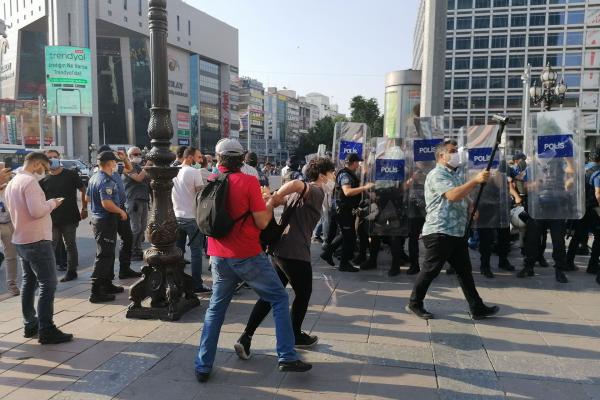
39	268
261	276
189	227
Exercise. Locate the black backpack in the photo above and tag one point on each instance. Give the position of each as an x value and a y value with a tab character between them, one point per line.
590	195
212	217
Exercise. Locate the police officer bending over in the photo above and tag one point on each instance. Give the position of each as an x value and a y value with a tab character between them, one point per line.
444	232
347	196
103	195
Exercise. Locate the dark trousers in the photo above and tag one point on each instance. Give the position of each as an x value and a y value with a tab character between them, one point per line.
105	233
486	244
345	221
439	249
589	223
60	254
67	235
415	226
124	231
299	275
535	240
363	237
396	245
331	228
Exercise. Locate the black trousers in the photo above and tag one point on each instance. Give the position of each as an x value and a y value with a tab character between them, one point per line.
535	240
589	223
415	226
396	245
486	244
440	248
331	228
345	221
105	234
124	230
299	275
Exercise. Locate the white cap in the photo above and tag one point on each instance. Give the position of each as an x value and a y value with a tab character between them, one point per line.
229	146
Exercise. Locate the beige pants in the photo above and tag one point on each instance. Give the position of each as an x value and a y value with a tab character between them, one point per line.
10	251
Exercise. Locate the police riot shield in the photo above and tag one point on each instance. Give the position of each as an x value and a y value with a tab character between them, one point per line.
348	138
494	204
555	178
420	159
386	169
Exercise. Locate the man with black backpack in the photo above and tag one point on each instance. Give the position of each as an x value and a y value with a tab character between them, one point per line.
231	211
591	218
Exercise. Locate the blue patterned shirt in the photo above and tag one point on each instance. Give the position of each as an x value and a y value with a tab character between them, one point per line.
443	216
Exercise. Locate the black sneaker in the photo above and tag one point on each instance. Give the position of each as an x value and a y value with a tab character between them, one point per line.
110	288
487	272
419	311
30	331
69	276
202	376
560	276
305	340
294	366
125	273
203	289
506	266
328	258
101	297
413	270
242	347
526	271
53	335
393	272
348	268
484	312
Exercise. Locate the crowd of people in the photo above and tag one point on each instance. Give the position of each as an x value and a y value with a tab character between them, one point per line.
40	214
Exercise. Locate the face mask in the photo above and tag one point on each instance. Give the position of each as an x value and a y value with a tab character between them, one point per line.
329	186
454	161
136	160
39	177
54	163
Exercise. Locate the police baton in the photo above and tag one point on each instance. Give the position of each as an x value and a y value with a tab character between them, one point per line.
502	121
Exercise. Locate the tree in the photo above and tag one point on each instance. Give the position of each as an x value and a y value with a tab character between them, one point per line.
321	133
367	111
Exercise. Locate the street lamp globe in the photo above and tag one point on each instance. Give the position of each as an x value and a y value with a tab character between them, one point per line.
561	89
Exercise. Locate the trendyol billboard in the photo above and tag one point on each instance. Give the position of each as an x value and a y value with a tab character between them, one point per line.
68	81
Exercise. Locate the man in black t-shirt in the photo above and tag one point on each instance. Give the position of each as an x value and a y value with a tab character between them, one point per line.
65	183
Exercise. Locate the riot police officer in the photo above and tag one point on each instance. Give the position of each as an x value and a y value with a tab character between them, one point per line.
104	196
347	196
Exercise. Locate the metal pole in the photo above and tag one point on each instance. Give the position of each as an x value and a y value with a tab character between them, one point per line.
526	78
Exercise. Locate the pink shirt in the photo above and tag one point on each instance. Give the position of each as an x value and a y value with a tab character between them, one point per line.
29	209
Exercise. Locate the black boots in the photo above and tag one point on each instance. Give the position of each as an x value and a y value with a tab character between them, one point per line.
99	293
560	275
486	269
526	271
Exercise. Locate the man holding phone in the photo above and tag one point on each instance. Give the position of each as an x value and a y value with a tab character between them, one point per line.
30	213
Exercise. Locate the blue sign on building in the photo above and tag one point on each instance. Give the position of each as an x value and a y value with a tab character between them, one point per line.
389	170
555	146
424	150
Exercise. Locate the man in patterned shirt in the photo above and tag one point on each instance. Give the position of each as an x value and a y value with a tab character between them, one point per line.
444	231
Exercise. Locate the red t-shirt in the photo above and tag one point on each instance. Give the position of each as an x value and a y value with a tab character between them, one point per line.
243	240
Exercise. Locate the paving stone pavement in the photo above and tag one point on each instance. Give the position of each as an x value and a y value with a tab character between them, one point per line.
545	344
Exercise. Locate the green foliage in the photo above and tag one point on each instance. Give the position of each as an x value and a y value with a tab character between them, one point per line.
321	133
367	111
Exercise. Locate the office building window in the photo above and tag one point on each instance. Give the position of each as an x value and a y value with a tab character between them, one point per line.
462	63
124	5
496	82
447	83
518	3
516	61
449	44
480	62
482	3
557	2
477	120
536	40
517	41
461	83
464	23
462	4
500	21
450	24
463	43
178	23
518	20
481	42
514	81
478	101
537	19
514	101
478	82
571	100
448	63
556	18
554	60
499	42
536	60
496	102
450	4
500	3
572	59
460	103
575	17
555	39
140	8
574	38
572	80
538	2
498	62
482	22
446	103
459	122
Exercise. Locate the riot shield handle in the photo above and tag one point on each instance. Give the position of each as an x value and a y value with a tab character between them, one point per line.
502	121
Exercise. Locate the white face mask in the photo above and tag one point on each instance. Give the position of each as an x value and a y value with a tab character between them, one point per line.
136	160
39	177
329	186
454	161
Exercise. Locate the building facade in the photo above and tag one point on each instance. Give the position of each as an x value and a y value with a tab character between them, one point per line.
252	114
490	42
201	69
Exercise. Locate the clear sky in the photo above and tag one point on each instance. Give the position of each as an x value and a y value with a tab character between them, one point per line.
340	48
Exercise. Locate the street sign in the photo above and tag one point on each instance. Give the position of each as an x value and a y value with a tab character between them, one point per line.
68	81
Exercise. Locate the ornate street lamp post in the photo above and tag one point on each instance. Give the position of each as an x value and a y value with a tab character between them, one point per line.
171	290
550	92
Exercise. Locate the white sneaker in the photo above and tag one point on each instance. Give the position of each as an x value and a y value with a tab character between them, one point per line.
13	288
